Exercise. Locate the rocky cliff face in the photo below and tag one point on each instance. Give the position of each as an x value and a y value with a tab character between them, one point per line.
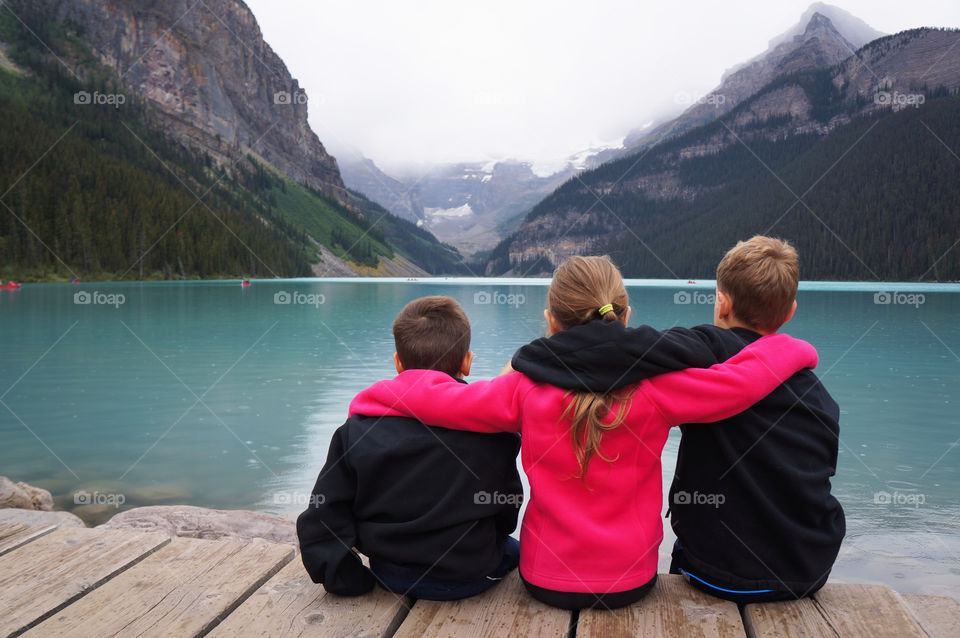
218	86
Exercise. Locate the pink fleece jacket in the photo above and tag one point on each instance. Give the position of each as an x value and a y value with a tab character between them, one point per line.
599	535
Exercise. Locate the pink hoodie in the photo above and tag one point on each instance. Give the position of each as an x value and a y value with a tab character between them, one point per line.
600	535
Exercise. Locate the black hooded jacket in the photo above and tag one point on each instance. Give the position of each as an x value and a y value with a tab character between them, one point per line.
750	500
437	501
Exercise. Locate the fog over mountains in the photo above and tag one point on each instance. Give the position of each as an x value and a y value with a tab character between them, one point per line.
473	206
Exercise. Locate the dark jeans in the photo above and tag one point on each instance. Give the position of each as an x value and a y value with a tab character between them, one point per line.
678	565
404	581
578	600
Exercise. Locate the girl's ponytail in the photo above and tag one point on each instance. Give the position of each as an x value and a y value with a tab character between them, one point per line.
586	289
607	313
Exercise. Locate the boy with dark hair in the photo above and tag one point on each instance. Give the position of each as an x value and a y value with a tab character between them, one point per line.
432	508
750	501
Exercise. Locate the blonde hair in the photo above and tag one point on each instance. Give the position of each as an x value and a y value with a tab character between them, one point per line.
760	276
586	289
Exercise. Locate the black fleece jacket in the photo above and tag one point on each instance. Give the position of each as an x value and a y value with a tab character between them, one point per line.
750	500
437	501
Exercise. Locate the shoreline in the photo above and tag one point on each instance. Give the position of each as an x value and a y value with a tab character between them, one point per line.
822	285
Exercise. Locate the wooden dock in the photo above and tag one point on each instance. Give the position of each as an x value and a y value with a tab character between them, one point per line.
93	582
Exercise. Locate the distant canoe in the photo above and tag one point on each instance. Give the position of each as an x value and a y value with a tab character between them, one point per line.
10	286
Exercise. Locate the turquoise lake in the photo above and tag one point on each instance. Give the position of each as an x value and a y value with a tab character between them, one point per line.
216	395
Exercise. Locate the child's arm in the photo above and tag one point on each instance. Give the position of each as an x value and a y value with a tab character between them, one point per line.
604	357
437	399
719	392
327	530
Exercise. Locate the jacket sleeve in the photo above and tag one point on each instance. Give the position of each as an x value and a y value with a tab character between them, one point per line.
601	358
327	530
437	399
726	389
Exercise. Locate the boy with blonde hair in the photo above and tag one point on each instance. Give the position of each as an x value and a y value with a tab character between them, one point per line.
750	501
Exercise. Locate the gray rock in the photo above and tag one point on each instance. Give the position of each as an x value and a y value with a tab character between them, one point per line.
199	522
35	517
40	498
23	496
216	85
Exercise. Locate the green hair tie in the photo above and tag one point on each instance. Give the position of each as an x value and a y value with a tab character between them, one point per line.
605	309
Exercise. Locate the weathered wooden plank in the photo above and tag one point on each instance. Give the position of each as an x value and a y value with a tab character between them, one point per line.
789	619
182	590
43	576
13	535
938	615
8	529
867	610
504	610
290	604
673	609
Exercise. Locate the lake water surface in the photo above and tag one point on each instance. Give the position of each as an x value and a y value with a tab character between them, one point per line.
215	395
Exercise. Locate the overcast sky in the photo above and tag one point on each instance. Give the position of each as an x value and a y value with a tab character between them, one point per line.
447	80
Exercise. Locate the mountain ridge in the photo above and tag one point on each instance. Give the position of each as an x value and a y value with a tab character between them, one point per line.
819	43
680	173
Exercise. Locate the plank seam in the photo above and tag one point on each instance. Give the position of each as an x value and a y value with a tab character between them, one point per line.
27	539
249	591
36	621
748	627
574	622
826	616
403	610
913	613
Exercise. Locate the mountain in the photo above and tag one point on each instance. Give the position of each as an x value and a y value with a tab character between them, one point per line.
470	205
175	126
816	41
363	175
217	85
866	140
854	30
824	35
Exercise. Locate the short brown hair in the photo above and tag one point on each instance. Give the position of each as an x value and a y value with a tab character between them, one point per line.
432	333
760	275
